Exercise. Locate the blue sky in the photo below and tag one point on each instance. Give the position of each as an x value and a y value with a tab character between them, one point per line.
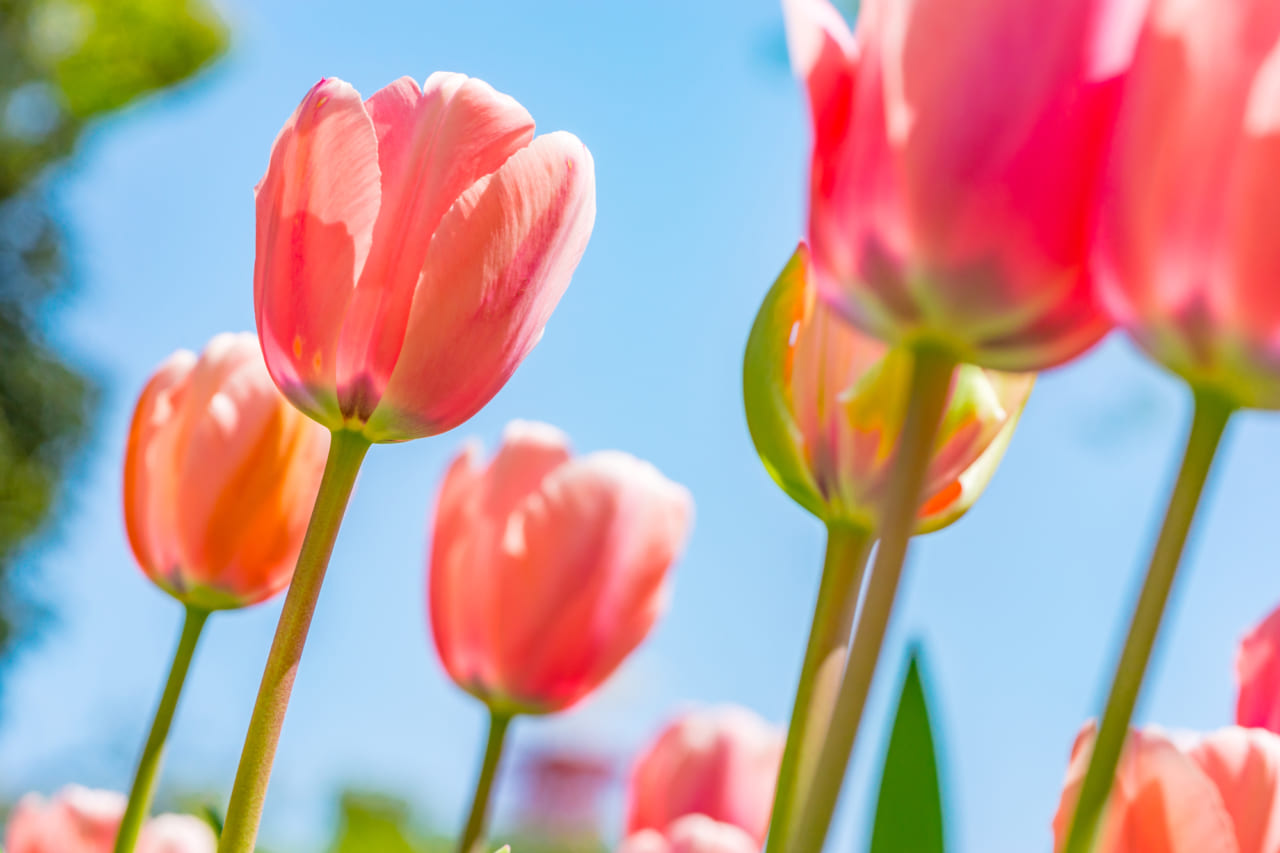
699	138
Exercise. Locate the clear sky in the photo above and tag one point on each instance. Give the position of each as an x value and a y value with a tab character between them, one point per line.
700	139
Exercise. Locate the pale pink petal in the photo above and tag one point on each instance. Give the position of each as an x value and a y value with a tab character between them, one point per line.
645	841
1245	766
496	268
701	834
432	145
316	207
171	833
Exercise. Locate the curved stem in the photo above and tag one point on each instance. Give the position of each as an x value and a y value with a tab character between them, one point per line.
927	398
1208	425
346	452
144	779
842	573
473	833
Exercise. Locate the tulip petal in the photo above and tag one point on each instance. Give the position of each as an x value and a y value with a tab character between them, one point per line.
1244	764
700	834
496	268
432	145
1258	674
316	208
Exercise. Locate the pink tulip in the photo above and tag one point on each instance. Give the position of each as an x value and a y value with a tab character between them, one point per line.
1215	793
693	833
721	762
220	476
1189	260
546	571
955	164
79	820
1258	673
411	248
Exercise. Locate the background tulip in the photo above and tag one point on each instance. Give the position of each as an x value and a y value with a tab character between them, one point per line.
720	762
220	475
1188	257
1258	674
80	820
411	248
1174	793
546	571
825	402
693	833
955	161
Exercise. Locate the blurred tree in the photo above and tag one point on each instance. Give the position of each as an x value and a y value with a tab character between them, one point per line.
62	64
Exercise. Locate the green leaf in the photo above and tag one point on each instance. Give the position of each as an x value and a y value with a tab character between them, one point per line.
909	812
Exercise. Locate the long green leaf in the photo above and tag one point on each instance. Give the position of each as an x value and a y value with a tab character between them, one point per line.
909	811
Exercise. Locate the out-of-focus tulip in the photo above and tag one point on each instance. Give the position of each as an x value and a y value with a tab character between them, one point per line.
1188	257
824	405
718	762
693	833
952	200
1258	674
80	820
1215	793
411	248
546	570
219	478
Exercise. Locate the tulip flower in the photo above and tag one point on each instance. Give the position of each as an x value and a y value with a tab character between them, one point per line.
1215	793
546	571
220	474
825	402
693	833
1258	674
80	820
410	250
219	477
1187	264
956	158
825	406
721	763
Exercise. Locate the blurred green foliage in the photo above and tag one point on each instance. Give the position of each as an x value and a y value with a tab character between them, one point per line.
909	816
62	64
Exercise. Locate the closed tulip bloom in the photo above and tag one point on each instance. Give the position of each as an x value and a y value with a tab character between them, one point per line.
80	820
410	249
719	762
1215	793
956	156
694	833
1189	261
825	401
1258	675
547	570
220	476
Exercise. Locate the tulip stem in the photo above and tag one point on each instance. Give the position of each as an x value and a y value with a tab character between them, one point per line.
1208	426
930	384
842	574
473	832
244	812
144	780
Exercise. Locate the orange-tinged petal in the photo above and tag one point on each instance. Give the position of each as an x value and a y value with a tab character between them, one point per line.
1244	764
316	208
496	268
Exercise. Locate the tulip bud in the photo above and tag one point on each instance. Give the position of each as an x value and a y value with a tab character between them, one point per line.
80	820
220	476
547	570
824	405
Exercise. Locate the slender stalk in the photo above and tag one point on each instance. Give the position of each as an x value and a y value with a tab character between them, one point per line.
473	833
930	383
842	573
244	812
1208	424
144	779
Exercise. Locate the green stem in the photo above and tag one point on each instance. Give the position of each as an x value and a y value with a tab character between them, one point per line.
473	833
144	780
244	812
1208	425
842	573
927	398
